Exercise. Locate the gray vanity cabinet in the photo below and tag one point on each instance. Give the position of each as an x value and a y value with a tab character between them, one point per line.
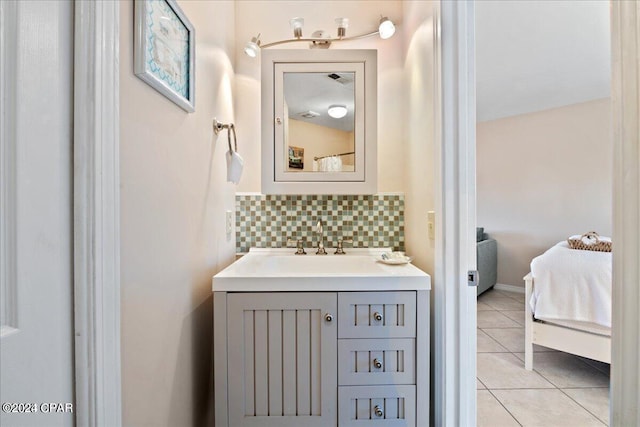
282	359
321	359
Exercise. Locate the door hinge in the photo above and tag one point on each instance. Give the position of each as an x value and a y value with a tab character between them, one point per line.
472	277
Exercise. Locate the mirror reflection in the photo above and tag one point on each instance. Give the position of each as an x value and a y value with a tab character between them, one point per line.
319	121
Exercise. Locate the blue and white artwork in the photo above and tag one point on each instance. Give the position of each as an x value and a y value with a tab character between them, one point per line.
167	47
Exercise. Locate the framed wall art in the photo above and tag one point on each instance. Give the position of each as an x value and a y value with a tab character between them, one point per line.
164	50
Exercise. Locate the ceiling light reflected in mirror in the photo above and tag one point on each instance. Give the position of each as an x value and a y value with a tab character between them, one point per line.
337	111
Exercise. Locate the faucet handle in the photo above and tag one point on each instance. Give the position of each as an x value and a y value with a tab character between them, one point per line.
296	244
339	248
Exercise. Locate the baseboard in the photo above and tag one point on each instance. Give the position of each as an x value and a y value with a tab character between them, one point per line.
509	288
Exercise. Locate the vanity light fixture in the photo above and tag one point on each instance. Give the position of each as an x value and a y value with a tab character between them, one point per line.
386	29
296	26
343	24
253	47
337	111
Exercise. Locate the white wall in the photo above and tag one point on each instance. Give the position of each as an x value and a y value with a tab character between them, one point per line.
271	19
173	200
318	141
542	177
420	99
535	55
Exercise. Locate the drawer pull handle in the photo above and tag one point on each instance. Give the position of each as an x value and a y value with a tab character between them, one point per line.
377	316
328	317
378	411
377	363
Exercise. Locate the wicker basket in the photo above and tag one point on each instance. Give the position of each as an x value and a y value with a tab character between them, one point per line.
590	242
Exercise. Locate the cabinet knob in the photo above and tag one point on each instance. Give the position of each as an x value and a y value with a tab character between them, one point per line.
377	363
328	317
378	411
377	316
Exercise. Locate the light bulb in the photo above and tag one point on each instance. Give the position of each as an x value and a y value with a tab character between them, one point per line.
343	24
386	28
252	47
296	26
337	111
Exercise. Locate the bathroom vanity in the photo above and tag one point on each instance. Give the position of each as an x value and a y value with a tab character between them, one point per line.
311	340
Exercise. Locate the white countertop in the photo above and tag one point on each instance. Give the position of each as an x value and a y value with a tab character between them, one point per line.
278	270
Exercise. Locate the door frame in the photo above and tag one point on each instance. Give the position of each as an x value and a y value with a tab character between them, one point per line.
96	213
457	42
454	300
625	336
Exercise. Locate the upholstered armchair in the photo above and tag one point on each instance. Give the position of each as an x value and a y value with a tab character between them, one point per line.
487	259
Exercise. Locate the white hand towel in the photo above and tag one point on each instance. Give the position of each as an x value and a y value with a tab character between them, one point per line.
235	163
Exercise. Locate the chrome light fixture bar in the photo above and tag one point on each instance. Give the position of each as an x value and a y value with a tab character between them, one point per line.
386	29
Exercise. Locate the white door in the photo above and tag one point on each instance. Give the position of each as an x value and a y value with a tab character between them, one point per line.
36	341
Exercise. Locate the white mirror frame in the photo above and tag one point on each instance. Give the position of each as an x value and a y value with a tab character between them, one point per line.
364	179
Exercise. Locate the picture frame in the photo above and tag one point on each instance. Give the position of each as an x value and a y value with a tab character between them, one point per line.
164	50
296	158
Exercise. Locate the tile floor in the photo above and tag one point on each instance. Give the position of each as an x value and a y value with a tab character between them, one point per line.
562	390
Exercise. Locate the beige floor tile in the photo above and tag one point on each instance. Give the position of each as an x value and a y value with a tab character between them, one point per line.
605	368
566	370
479	385
504	370
504	304
516	316
490	294
486	344
510	338
494	319
483	307
500	302
491	413
545	408
540	349
594	400
518	296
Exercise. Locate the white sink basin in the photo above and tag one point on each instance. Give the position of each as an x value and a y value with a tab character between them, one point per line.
309	265
280	269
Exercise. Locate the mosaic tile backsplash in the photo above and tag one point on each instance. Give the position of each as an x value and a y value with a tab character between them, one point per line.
266	221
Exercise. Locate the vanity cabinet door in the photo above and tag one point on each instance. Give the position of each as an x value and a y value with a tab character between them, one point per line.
282	354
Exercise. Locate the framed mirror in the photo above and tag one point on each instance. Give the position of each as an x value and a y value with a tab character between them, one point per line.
319	122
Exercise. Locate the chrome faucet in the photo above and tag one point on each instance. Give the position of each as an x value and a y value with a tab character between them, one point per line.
320	231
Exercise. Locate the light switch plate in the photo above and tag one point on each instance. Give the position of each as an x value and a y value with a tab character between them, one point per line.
229	223
431	225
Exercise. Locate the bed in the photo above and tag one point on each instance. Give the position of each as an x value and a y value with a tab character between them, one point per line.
568	303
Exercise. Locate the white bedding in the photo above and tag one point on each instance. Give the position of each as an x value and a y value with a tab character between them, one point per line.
572	284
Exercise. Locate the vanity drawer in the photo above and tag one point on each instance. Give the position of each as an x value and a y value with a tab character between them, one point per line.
376	361
388	406
377	314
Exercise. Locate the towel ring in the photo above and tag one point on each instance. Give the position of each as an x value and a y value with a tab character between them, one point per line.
235	140
219	126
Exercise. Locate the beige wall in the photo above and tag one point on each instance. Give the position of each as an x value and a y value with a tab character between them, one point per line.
319	141
364	16
542	177
173	200
418	159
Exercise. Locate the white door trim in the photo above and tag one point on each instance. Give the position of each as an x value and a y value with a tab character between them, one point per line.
455	301
97	213
625	338
8	283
